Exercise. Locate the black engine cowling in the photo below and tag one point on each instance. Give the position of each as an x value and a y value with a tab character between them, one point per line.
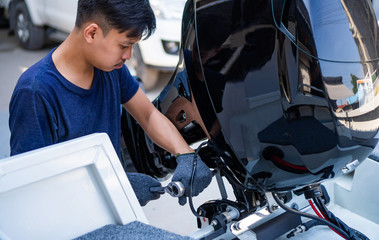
286	90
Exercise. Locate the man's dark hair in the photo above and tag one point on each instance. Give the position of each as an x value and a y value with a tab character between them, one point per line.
135	16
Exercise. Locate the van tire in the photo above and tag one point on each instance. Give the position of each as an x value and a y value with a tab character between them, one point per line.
29	36
3	20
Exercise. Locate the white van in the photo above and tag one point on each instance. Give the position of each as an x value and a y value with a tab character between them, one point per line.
35	21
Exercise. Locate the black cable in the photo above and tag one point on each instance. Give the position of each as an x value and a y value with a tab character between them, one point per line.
235	182
312	223
190	202
325	212
304	227
320	206
353	233
307	215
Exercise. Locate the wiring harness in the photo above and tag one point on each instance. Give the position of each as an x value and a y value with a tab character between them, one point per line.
315	196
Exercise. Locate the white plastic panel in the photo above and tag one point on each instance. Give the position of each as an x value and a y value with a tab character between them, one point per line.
65	190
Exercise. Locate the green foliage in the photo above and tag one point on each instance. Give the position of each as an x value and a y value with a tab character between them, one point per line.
354	83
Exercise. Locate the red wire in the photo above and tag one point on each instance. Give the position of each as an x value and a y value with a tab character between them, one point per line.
321	216
314	209
293	166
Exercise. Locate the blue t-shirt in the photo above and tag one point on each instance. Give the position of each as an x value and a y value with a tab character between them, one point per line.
46	108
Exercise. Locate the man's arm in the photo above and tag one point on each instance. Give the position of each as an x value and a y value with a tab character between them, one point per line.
160	130
164	133
31	122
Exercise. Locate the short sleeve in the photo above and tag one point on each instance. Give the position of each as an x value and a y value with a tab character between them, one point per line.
31	122
128	85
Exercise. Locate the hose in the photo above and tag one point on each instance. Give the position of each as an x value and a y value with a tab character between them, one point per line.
353	233
190	202
307	215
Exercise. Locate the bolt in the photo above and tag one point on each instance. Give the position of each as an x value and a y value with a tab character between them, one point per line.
295	206
258	203
214	223
236	226
274	207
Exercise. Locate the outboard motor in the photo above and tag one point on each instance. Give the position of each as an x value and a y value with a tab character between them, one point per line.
286	93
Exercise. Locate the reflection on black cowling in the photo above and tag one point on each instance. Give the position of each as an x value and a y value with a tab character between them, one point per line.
287	90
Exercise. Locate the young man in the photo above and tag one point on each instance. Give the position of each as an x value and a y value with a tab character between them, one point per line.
78	87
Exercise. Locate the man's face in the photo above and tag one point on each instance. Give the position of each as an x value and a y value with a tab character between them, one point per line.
111	52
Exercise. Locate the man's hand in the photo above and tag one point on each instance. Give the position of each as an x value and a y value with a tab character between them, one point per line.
202	178
141	184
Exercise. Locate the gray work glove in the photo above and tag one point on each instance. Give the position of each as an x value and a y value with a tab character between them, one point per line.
141	184
183	171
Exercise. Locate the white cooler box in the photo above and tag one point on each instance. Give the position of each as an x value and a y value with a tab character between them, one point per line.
65	190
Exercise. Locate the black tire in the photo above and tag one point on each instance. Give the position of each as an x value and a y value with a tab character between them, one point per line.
148	75
4	23
28	35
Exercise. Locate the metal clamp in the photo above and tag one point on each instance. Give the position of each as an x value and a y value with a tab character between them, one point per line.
175	189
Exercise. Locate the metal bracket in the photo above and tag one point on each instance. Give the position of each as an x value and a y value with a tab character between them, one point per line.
220	183
272	206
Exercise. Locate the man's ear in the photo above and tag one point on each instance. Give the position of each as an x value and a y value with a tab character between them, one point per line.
90	32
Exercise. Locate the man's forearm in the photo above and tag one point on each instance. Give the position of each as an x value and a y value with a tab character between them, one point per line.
162	132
